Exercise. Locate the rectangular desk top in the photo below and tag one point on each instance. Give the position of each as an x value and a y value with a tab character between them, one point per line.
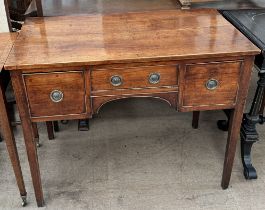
123	38
6	44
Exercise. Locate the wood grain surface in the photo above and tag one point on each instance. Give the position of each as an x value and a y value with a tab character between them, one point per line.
191	46
134	77
124	38
196	94
40	86
6	44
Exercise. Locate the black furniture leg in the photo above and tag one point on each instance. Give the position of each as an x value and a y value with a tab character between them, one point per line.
56	126
248	136
83	125
224	124
248	131
49	125
195	119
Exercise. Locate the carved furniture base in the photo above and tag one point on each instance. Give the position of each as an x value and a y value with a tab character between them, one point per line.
248	131
248	136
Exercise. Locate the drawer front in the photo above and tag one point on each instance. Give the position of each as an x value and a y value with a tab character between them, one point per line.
134	77
55	93
211	84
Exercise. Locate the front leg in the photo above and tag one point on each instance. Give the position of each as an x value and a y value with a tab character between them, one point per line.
233	131
235	123
6	131
28	132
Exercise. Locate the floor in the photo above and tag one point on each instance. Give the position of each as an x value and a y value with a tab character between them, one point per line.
139	154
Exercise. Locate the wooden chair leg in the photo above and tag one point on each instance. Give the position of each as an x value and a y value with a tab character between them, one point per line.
49	126
195	119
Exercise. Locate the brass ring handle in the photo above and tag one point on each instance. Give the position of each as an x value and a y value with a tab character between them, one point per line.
56	96
212	84
116	80
154	78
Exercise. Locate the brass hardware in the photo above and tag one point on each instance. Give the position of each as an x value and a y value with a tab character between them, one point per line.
154	78
24	200
56	96
212	84
116	80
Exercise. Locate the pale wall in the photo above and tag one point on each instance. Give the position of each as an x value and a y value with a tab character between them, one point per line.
3	19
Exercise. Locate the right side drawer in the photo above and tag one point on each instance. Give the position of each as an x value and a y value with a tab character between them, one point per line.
211	85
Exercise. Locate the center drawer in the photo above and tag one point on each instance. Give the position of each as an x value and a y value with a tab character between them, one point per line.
134	77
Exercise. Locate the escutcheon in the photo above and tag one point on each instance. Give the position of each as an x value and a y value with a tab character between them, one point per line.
211	84
56	96
154	78
116	80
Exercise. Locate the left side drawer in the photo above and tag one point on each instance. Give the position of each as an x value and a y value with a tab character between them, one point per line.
56	93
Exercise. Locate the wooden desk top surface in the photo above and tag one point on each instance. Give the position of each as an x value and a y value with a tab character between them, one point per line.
122	38
6	44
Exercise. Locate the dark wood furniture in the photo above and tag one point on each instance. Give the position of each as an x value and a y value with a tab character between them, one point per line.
228	4
194	60
21	5
6	43
251	23
39	8
83	124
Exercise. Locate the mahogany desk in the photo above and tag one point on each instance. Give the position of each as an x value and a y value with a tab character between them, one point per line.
69	67
6	44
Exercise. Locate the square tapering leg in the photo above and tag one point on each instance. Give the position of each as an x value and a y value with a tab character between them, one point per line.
235	122
8	136
28	132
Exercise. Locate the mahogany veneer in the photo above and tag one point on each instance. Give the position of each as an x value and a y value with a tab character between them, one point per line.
40	86
68	67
